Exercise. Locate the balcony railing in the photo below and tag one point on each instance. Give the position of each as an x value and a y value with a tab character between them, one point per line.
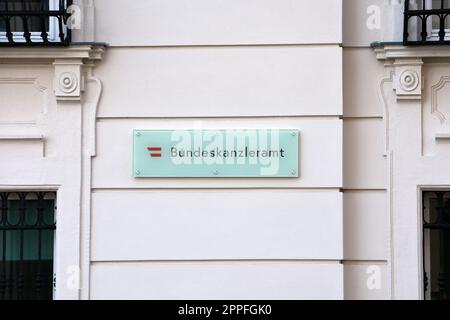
426	22
34	22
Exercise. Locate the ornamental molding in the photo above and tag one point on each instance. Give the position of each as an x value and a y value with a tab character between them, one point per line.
406	63
391	51
76	51
25	81
384	100
408	82
69	64
68	83
36	85
435	89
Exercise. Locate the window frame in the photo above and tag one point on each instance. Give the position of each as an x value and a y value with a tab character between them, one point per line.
14	194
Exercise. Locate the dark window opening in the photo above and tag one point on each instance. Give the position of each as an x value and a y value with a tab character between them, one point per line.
27	230
17	23
436	245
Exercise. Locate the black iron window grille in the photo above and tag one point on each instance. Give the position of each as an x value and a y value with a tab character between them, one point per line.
34	22
436	245
27	228
426	22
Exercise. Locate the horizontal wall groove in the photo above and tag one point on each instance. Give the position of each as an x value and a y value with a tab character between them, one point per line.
168	189
219	117
364	190
374	118
218	46
363	118
234	261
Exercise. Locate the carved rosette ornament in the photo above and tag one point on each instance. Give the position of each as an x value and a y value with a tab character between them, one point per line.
408	79
68	82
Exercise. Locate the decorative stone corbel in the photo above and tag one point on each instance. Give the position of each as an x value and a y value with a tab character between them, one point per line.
406	63
408	82
68	82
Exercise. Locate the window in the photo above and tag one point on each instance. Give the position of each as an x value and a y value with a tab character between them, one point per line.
436	245
17	23
427	22
27	228
34	21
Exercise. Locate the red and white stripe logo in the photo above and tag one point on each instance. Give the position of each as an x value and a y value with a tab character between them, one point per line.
155	152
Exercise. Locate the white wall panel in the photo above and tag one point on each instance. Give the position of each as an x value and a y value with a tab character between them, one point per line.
216	225
365	225
365	166
25	96
224	81
12	150
218	22
217	281
320	158
362	77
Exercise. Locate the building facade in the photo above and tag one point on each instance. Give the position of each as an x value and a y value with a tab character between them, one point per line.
366	218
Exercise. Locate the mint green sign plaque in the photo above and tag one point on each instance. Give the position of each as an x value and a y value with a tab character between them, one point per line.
216	153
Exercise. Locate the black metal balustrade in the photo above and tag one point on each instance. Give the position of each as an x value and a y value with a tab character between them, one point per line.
426	22
27	230
436	245
34	22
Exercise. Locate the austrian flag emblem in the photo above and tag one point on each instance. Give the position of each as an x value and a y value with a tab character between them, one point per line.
155	152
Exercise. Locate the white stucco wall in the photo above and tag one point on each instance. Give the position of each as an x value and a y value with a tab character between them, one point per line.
366	175
219	64
214	64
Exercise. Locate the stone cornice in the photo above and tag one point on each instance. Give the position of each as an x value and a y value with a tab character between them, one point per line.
88	52
70	65
392	51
